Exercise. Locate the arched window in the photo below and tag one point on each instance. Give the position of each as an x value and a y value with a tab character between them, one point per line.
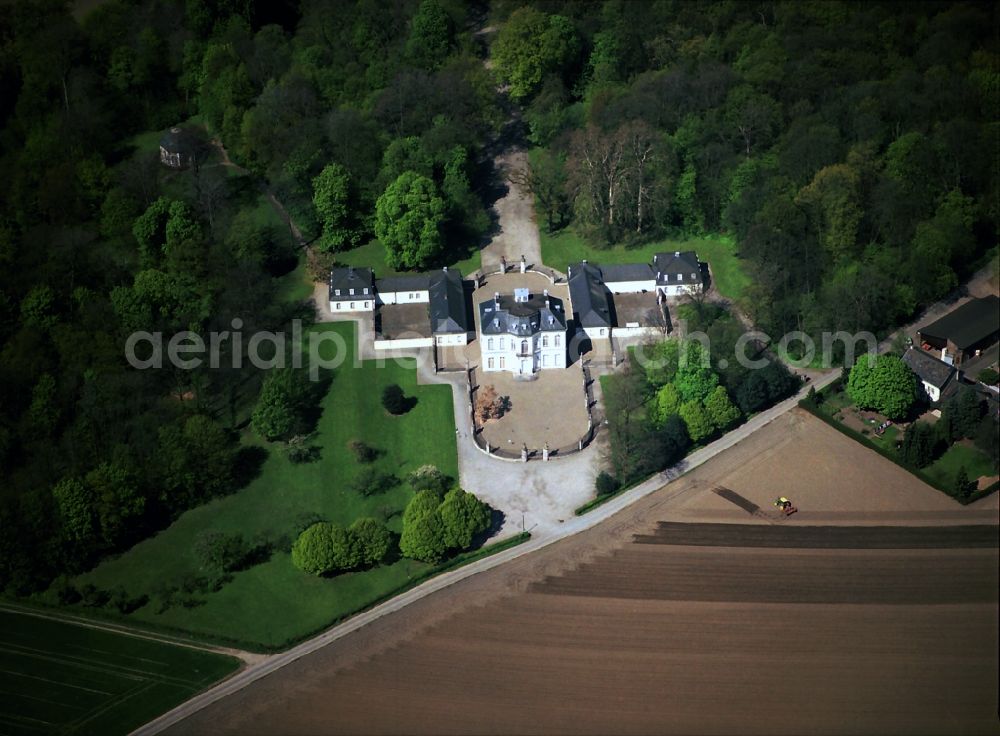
524	347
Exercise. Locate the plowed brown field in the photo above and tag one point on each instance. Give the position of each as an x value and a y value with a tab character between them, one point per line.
638	626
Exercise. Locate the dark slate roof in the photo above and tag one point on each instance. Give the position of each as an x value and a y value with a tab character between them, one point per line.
447	302
626	272
935	372
972	322
668	265
177	140
522	318
417	282
349	278
588	296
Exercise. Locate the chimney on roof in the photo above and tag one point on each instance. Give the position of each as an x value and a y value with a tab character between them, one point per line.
677	254
585	261
546	292
496	299
350	271
445	269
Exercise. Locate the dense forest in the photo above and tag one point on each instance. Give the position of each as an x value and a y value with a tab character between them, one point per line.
849	149
326	104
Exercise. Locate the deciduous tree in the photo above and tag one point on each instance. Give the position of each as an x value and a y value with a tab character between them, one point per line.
408	220
721	409
697	420
530	45
463	516
883	383
373	539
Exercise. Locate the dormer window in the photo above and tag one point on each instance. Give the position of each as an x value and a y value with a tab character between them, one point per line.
352	291
336	292
366	290
680	277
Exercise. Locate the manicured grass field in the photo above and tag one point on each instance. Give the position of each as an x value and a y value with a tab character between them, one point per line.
59	677
372	254
273	604
565	246
945	468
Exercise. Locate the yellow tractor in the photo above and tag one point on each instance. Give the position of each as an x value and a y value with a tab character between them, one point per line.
785	506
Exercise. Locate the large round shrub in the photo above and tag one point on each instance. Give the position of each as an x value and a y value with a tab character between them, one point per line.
423	538
373	540
313	551
463	516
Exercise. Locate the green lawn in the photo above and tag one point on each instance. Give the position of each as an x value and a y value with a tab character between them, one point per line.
295	286
834	401
273	604
372	254
564	247
59	677
945	468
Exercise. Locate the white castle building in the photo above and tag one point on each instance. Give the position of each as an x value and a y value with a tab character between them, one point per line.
523	333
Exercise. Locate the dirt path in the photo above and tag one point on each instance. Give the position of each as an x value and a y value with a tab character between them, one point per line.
278	206
518	235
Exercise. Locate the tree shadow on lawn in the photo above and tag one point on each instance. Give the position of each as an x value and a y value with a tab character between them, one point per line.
248	465
313	410
408	404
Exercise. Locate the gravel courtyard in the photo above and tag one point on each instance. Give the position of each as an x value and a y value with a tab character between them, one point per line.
550	409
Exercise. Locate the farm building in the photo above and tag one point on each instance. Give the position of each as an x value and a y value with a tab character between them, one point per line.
590	299
964	332
678	273
939	379
628	278
449	315
404	289
352	289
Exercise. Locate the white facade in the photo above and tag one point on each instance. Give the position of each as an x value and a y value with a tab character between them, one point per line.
352	300
599	333
680	289
932	391
456	338
415	296
630	287
405	343
523	355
